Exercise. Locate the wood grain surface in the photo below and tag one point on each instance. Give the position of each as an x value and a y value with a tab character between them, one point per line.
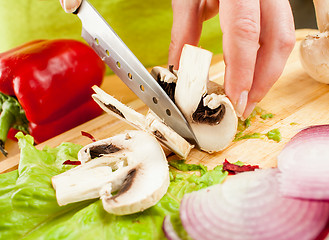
296	100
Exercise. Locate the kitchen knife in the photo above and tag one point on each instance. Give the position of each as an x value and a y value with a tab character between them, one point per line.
113	51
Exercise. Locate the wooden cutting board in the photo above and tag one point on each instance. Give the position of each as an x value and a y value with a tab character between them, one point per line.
296	101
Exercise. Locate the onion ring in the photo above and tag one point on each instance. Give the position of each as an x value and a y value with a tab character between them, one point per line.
169	230
304	164
249	206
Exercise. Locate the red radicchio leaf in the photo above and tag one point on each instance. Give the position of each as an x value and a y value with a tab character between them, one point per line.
234	169
69	162
83	133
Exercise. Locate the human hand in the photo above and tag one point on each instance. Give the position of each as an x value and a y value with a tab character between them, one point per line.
258	37
70	6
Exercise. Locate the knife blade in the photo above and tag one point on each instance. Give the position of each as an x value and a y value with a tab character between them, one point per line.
114	52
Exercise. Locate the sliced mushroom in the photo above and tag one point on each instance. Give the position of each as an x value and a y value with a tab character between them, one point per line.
149	123
136	168
167	136
210	114
166	78
314	49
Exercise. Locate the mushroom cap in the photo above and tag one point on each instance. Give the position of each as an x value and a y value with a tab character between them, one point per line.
147	180
214	138
314	56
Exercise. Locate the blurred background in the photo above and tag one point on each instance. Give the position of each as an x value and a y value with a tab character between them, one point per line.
144	26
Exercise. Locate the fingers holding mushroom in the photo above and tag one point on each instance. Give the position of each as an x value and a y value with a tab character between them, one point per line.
210	113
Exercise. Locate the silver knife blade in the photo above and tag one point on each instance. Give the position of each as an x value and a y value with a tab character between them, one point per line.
114	52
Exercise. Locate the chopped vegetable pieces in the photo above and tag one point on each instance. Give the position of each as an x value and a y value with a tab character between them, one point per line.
233	168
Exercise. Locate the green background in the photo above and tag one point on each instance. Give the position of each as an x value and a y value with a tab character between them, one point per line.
143	25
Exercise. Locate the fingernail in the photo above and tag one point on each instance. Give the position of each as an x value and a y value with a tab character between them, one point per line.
241	103
249	109
70	6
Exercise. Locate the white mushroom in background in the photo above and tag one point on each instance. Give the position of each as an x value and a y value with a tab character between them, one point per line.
210	113
149	123
132	164
314	49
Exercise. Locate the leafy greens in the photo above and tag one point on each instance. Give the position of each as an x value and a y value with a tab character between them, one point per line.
29	209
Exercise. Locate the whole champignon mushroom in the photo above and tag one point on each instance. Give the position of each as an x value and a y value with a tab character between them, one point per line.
209	112
132	164
314	49
149	123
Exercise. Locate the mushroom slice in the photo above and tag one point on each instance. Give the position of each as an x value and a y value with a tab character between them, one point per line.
166	78
210	113
114	107
167	136
150	123
138	171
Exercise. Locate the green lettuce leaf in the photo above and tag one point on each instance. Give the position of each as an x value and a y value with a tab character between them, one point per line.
29	209
182	166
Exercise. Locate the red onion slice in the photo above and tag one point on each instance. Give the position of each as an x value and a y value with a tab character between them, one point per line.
169	230
249	206
304	164
88	135
70	162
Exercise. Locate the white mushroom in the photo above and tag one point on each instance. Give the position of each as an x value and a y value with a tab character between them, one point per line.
164	75
314	49
149	123
166	78
167	136
132	164
209	112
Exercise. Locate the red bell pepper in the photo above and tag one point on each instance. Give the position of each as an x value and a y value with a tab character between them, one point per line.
51	80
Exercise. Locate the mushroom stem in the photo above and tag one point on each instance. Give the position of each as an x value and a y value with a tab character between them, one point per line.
86	181
137	171
192	78
149	123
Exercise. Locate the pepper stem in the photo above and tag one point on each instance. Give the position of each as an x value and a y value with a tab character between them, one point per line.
7	119
12	115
